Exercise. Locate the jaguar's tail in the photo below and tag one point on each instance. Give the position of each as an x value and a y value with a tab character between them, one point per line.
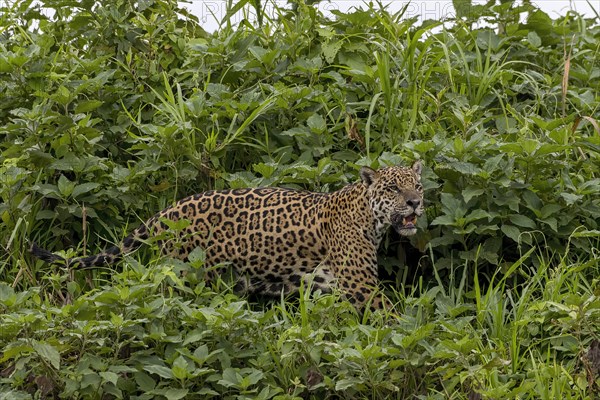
45	255
107	257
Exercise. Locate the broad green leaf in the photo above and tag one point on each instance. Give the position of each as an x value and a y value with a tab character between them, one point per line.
523	221
258	52
550	209
330	50
492	163
144	381
8	394
84	188
541	23
197	256
534	39
70	162
16	351
178	225
462	8
65	186
532	200
62	96
5	66
571	198
511	231
591	186
208	392
317	123
90	379
159	370
254	377
471	192
7	295
201	353
179	368
326	32
587	233
121	369
266	170
524	146
113	391
109	377
465	168
551	222
231	378
107	297
452	203
48	353
87	106
459	145
488	38
548	148
512	148
529	146
116	319
344	384
444	220
507	125
406	341
477	214
175	394
171	393
423	146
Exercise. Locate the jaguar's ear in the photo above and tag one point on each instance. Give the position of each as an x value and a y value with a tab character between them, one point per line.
368	175
417	168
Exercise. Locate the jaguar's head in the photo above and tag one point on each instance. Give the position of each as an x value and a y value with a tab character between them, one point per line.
395	195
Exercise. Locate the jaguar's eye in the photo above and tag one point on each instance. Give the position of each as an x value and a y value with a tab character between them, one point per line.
419	187
394	189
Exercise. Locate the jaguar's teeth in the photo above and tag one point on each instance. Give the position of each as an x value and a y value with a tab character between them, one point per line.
409	220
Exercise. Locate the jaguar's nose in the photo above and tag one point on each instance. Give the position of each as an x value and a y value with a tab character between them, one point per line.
414	203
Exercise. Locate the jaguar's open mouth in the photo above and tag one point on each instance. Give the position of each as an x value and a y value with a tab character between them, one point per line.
409	221
405	224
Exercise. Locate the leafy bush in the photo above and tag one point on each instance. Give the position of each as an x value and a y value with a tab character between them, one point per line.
151	334
112	110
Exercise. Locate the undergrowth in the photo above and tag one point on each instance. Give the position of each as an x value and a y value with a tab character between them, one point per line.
148	332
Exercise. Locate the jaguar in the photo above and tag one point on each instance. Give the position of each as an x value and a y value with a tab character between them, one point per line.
276	239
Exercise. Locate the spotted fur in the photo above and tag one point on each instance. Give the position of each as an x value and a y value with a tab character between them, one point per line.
276	238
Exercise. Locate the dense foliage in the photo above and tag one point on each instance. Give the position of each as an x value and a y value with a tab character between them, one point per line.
111	110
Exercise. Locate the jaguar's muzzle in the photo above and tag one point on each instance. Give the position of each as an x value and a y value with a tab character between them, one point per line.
405	225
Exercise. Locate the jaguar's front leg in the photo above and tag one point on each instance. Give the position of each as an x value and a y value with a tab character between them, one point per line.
357	278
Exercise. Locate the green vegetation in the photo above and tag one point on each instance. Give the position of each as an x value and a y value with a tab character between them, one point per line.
111	110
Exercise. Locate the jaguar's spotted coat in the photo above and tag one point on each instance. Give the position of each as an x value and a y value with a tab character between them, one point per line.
275	238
